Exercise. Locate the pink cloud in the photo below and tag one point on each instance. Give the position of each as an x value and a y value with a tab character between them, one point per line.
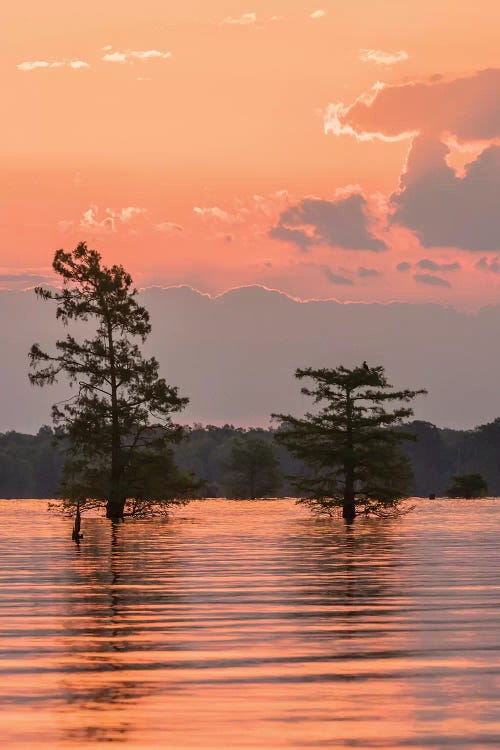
469	108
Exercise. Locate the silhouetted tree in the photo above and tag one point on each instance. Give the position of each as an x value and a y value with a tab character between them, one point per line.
349	445
252	469
30	465
117	429
476	452
468	486
429	457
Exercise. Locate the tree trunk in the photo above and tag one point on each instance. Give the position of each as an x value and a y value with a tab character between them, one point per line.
252	482
349	504
116	503
115	506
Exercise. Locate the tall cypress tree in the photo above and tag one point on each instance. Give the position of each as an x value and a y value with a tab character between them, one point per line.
349	446
117	430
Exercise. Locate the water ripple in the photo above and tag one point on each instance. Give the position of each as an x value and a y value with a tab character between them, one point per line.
251	625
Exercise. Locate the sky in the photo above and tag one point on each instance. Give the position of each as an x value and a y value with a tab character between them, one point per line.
326	149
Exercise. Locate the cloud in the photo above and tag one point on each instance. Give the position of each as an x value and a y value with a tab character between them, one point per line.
44	64
37	64
168	227
217	214
467	107
379	57
131	55
125	215
442	207
212	213
255	212
344	222
247	19
109	223
337	122
317	14
426	278
492	265
281	194
430	265
295	236
334	278
403	266
90	222
446	210
365	273
78	64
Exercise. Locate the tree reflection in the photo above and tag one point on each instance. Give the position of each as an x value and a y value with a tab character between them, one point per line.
110	582
351	575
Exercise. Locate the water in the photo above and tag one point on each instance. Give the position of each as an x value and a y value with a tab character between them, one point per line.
251	625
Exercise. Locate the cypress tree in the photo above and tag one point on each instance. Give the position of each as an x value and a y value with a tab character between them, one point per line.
349	447
117	429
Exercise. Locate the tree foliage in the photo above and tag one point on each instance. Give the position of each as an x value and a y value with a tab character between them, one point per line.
349	444
252	469
117	429
468	486
430	459
30	465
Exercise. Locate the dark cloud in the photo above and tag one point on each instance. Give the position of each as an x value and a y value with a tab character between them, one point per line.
296	236
365	273
426	278
403	267
344	223
334	278
492	265
430	265
445	210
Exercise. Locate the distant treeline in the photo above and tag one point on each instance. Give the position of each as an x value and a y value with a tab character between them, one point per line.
30	465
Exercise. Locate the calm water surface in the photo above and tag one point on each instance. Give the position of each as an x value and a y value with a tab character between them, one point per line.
251	625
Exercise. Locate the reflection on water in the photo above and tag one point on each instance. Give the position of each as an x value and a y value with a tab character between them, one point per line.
251	625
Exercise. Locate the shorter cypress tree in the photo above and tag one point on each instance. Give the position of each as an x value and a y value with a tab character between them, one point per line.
468	486
252	469
350	450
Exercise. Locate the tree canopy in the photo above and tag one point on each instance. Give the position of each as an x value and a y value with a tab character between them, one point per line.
468	486
117	430
252	469
349	445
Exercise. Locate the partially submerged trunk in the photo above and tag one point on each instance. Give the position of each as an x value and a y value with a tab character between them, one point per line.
349	508
349	504
115	507
76	534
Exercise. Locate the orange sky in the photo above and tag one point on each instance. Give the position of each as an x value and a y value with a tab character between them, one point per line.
176	137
